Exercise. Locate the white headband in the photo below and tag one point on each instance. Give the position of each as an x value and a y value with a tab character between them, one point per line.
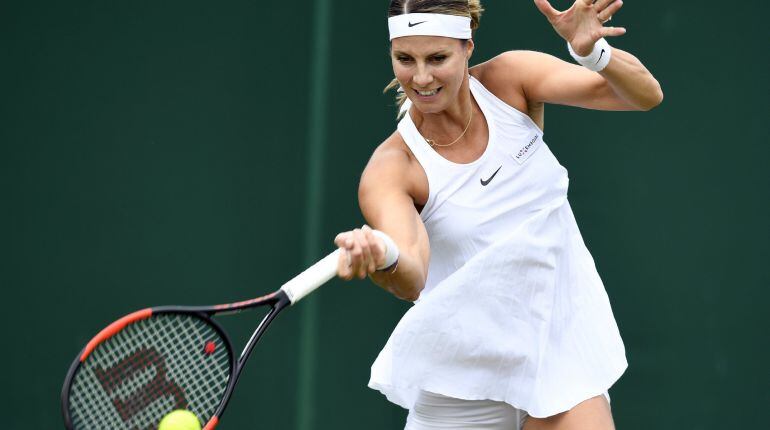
430	24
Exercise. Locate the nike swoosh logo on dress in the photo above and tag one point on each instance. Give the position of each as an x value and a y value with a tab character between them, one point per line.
485	183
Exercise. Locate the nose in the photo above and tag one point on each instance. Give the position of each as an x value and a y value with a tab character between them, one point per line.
423	77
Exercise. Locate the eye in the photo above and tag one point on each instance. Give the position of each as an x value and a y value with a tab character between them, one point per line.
438	58
403	59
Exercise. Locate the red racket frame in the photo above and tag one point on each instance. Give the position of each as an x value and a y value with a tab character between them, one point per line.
277	301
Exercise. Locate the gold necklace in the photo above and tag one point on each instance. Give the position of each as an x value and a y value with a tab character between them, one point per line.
433	143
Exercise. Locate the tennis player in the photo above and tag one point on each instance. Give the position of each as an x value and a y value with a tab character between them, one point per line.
511	326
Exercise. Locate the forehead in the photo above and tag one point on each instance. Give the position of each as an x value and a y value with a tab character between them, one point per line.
423	45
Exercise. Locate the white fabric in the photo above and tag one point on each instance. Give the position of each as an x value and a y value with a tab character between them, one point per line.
598	59
429	24
513	309
436	412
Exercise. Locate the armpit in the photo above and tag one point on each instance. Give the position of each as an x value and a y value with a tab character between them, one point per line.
536	111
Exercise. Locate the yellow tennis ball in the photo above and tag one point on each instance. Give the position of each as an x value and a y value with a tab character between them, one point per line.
180	419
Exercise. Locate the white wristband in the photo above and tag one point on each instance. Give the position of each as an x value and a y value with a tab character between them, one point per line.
391	250
597	60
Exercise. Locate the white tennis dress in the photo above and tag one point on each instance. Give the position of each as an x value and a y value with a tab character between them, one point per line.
513	309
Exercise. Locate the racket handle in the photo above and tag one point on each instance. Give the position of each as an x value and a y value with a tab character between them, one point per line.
312	278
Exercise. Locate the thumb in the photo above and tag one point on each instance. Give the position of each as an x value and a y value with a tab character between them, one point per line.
546	9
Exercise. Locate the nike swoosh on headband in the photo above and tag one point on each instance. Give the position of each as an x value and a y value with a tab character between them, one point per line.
417	23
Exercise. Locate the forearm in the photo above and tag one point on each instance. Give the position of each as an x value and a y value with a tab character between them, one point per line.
631	81
407	281
582	26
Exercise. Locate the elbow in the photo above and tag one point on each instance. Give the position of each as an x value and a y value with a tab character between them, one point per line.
411	284
409	298
654	98
410	295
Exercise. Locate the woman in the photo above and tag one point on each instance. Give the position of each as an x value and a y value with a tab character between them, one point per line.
512	327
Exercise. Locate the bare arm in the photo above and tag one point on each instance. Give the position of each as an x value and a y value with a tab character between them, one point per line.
385	202
625	84
631	81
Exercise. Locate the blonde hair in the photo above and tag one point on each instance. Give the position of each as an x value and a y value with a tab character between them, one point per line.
469	8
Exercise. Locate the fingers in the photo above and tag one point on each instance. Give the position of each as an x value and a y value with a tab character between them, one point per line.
377	247
612	31
606	13
546	9
344	268
343	265
362	253
341	240
599	5
353	247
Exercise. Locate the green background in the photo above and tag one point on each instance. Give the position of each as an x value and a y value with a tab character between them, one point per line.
196	152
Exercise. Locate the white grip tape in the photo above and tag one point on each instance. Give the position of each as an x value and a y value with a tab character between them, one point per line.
391	249
312	278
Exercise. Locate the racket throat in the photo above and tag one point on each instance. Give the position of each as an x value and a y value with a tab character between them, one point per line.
282	302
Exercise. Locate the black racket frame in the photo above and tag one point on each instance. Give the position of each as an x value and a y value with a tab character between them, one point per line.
277	302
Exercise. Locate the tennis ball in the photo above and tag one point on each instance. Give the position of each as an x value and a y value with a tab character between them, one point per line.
180	419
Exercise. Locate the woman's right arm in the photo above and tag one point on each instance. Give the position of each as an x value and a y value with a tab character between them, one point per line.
385	198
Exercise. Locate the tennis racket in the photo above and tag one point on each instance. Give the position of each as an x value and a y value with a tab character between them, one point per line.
153	361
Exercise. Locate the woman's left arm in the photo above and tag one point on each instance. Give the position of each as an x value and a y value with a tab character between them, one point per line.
631	81
623	84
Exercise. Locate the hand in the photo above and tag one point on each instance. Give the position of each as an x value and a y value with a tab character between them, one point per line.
363	253
583	24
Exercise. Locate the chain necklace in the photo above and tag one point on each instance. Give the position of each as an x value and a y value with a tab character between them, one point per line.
433	143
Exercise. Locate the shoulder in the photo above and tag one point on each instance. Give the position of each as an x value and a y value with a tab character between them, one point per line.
512	64
393	169
509	75
391	155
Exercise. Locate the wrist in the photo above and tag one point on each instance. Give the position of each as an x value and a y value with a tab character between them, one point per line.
598	59
390	263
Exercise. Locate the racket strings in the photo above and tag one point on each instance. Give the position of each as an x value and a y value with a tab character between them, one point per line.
165	362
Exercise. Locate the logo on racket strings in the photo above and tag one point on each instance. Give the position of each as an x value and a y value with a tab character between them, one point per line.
128	404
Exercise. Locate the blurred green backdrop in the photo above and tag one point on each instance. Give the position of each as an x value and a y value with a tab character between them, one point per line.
168	151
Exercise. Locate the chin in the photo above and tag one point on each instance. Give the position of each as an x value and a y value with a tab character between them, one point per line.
429	107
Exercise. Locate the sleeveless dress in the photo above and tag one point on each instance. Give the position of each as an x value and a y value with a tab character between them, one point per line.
513	309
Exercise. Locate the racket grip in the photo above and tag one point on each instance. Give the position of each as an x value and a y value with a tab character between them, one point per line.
312	278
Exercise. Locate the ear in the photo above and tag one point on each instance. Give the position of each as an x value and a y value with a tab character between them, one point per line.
469	46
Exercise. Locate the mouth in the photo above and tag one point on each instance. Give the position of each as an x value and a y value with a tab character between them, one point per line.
428	93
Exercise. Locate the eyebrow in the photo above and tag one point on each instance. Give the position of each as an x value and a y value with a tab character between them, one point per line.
441	52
